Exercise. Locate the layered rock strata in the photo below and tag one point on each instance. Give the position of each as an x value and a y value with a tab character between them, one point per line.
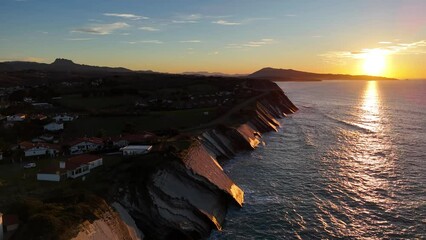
185	194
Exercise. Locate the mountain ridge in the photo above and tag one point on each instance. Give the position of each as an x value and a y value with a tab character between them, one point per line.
279	74
275	74
59	65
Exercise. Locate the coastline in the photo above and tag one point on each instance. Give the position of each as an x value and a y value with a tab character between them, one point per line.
189	185
179	190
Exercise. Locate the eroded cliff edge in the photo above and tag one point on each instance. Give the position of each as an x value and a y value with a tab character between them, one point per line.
177	191
182	192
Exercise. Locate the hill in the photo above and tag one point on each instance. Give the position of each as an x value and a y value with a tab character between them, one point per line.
59	65
293	75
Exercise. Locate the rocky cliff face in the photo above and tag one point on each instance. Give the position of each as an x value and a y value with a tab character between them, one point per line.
113	225
185	194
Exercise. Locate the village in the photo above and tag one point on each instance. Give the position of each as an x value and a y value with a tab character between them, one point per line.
53	136
44	156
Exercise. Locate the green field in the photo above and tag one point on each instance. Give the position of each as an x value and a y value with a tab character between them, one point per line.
151	121
93	104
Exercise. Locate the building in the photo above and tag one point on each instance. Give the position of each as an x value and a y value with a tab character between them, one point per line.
43	138
16	118
10	223
83	145
125	140
72	168
64	118
135	150
39	149
53	126
28	100
38	117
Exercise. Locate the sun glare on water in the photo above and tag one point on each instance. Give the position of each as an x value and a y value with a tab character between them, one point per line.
374	63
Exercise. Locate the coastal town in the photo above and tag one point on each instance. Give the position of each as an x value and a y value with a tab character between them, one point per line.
60	134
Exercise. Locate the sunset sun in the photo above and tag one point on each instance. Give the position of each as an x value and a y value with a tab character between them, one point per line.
374	63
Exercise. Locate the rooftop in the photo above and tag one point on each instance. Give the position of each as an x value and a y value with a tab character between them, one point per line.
72	163
28	145
91	140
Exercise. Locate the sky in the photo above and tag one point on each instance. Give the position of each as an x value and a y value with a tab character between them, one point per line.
229	36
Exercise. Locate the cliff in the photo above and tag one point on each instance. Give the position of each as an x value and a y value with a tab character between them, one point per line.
112	224
183	193
177	191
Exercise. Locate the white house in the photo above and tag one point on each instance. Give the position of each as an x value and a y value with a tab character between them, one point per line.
72	168
83	145
64	118
39	149
135	150
53	126
28	100
16	118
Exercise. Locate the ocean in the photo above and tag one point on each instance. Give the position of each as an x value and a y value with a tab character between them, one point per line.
351	163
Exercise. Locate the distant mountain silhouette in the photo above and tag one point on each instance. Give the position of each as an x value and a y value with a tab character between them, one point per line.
59	65
293	75
215	74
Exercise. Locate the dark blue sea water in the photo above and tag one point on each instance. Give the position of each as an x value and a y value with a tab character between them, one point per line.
350	164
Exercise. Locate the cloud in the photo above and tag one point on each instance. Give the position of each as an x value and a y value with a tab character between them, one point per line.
151	41
78	39
188	18
252	44
126	16
183	21
341	57
149	29
192	17
102	29
195	18
213	53
190	41
146	41
226	23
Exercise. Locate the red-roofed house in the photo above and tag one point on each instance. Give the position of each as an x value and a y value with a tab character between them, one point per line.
39	149
72	168
10	222
83	145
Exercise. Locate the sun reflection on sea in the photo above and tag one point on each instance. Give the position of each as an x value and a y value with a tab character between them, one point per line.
370	114
365	168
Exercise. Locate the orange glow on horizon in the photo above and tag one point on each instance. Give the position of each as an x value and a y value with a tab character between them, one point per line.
374	63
